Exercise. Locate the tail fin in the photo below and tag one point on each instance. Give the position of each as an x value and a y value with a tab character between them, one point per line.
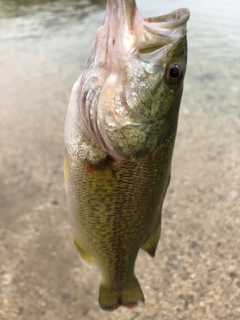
128	296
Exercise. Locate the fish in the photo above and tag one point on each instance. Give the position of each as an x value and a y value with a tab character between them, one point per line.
119	138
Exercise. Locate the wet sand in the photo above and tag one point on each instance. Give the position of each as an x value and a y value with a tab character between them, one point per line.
196	272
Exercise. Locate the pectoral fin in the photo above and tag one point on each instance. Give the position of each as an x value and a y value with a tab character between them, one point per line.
151	244
65	170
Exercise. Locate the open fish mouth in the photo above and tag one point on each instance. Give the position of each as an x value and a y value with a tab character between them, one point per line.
124	18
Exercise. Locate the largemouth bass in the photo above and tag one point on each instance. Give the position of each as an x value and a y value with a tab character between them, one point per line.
119	137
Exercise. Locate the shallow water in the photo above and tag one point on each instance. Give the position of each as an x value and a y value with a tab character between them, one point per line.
44	46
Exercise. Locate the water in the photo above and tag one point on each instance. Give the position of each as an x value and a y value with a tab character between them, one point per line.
44	46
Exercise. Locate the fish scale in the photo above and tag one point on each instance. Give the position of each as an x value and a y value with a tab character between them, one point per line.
119	141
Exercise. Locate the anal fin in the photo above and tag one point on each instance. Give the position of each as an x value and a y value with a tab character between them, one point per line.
85	255
150	245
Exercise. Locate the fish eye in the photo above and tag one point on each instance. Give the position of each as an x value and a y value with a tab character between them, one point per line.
174	73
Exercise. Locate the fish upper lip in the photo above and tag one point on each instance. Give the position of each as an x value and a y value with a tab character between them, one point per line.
171	20
162	30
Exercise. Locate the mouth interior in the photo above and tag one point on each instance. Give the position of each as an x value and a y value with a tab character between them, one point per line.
149	49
